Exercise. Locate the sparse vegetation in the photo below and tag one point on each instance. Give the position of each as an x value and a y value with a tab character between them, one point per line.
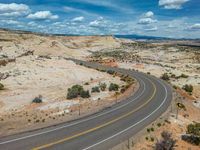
167	142
37	99
110	72
102	86
193	134
95	89
159	124
183	76
188	88
1	86
194	129
77	90
113	87
165	77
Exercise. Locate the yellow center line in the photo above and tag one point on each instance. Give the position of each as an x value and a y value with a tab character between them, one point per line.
98	127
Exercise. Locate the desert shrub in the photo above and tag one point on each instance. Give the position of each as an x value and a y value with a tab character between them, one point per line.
95	89
85	94
102	86
165	77
74	91
183	76
148	130
110	72
1	86
86	83
167	142
152	129
152	139
37	99
127	79
113	87
158	124
193	139
188	88
194	129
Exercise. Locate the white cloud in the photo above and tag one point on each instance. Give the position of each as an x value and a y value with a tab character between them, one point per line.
99	22
10	22
172	4
42	15
149	14
13	9
145	21
78	19
152	29
195	26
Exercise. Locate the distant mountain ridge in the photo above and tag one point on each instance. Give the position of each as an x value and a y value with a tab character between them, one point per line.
144	37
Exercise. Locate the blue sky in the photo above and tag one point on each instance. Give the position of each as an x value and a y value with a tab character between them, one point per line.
167	18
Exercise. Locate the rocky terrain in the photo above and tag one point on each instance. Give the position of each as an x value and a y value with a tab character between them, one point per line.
177	62
34	66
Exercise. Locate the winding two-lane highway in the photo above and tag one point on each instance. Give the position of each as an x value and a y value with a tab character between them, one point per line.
104	129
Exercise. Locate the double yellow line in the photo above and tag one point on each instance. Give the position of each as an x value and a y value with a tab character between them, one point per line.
100	126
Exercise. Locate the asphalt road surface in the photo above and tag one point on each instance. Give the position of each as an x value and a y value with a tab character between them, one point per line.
104	129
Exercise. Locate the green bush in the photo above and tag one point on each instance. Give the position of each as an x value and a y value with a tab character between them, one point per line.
188	88
37	99
1	86
183	76
110	72
95	89
165	77
74	91
102	86
167	142
194	129
77	90
85	94
158	124
191	139
113	87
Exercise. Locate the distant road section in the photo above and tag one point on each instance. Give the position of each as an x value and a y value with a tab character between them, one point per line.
105	129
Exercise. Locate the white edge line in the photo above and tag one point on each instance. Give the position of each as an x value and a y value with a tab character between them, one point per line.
133	124
37	134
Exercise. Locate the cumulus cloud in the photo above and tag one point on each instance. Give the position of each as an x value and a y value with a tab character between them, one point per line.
172	4
78	19
13	9
149	14
195	26
42	15
145	21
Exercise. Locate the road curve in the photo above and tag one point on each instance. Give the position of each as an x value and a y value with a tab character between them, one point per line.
104	129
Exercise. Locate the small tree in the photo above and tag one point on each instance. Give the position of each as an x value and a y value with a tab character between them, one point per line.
188	88
95	89
167	142
102	86
194	129
74	91
1	86
37	99
165	77
85	94
113	87
111	72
